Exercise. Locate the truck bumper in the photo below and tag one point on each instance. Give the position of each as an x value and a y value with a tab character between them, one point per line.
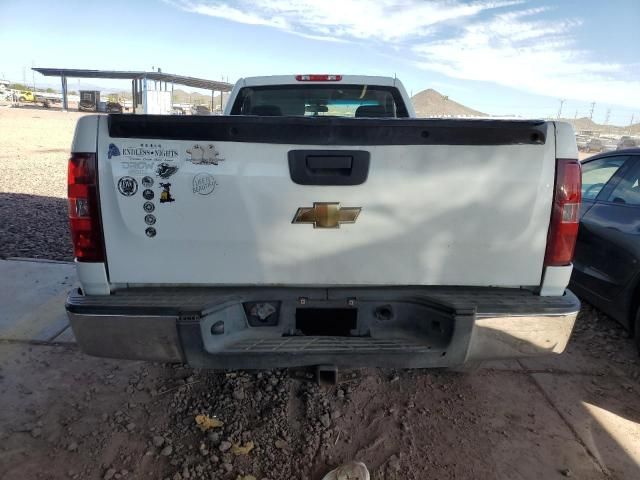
256	328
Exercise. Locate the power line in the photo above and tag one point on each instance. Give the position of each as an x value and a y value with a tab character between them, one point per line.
560	109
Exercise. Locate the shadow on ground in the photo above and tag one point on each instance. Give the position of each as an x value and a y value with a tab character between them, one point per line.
34	226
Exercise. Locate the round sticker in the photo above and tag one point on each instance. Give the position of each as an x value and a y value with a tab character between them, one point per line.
128	186
150	231
147	182
149	207
204	184
147	194
149	219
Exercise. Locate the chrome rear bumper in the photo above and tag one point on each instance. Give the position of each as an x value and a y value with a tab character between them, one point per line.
429	327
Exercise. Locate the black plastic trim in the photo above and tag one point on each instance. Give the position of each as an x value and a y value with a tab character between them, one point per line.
328	130
329	167
486	301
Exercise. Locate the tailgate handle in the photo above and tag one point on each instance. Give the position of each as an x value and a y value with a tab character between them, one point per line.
329	167
323	164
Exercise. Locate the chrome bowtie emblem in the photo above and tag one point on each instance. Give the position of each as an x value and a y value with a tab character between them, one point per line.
326	215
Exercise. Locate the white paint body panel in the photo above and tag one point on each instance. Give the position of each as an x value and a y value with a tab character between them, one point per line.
85	137
431	215
93	278
566	146
555	280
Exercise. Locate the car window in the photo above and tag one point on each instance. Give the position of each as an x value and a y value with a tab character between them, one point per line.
628	190
596	174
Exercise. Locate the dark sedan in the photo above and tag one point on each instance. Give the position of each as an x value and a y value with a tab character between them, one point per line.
606	269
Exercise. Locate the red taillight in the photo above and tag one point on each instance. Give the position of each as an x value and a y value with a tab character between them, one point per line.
318	78
563	229
84	215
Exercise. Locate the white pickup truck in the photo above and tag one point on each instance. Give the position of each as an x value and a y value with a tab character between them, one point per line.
317	222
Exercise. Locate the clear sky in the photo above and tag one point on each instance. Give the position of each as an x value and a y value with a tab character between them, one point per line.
497	56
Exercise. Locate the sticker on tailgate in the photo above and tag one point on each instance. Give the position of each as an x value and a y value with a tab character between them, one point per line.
145	158
204	184
204	155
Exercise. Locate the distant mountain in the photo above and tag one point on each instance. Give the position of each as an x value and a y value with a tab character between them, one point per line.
429	103
586	124
194	98
583	123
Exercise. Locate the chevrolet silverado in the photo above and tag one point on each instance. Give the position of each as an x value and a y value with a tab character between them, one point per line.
317	221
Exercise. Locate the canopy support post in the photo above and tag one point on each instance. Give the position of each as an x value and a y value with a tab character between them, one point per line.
65	103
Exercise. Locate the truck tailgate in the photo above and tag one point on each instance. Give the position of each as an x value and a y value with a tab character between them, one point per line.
211	201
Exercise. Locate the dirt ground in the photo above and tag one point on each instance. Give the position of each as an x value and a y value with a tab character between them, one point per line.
34	151
65	415
69	416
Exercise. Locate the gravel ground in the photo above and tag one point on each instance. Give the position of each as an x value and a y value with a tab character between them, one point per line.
34	150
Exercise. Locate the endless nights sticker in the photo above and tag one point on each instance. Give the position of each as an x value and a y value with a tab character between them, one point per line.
145	158
150	151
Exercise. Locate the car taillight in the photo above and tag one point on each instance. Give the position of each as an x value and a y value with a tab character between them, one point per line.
563	229
318	78
84	214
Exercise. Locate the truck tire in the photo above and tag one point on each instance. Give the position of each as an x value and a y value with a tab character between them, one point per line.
22	99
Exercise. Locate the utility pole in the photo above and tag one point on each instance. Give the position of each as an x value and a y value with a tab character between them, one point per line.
606	118
593	106
562	100
631	122
575	115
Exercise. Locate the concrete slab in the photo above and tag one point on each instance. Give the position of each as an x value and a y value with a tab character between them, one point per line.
621	360
32	296
532	441
569	362
508	365
603	414
66	336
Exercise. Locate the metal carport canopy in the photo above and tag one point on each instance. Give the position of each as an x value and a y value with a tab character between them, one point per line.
133	75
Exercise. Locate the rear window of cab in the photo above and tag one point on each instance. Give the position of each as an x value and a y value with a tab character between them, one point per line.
355	101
